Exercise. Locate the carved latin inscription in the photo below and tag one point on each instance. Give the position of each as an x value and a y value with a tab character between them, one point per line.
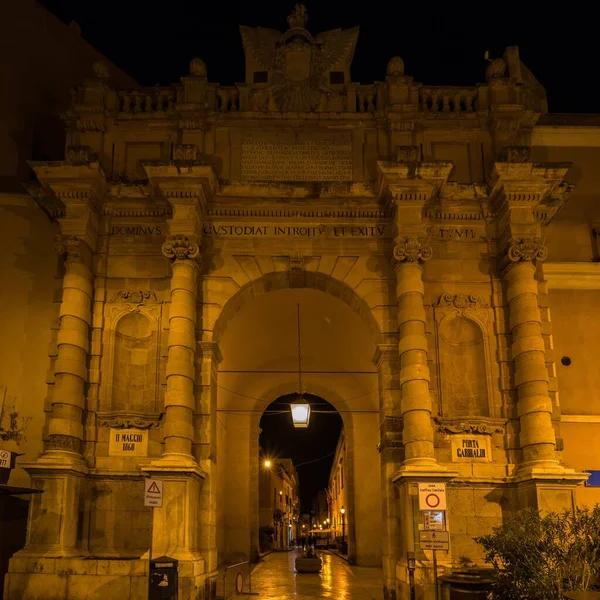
289	159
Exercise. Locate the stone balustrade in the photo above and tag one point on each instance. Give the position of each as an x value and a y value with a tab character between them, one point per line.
148	101
447	99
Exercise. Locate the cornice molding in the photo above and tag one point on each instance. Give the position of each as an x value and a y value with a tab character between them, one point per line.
572	275
586	136
590	419
333	213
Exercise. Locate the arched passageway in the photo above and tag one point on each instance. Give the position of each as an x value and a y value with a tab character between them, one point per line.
259	348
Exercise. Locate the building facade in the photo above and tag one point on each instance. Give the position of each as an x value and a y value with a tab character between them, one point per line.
336	492
442	242
279	504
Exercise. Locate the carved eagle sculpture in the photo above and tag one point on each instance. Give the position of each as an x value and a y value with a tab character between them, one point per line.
297	62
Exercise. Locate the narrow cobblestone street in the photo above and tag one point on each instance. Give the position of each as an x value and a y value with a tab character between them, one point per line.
276	578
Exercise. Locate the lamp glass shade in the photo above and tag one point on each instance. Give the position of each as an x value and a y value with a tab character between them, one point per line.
300	413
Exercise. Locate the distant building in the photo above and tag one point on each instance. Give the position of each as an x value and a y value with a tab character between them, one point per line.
337	490
278	501
320	510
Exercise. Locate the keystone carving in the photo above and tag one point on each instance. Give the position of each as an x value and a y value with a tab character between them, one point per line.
180	248
526	250
410	250
68	246
516	154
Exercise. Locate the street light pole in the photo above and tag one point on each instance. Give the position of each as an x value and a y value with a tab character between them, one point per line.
343	512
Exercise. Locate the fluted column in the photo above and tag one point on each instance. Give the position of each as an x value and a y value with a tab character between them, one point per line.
179	396
65	427
534	406
417	430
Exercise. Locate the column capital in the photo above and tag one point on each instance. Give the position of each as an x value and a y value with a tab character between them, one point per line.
526	250
410	250
180	248
523	250
68	246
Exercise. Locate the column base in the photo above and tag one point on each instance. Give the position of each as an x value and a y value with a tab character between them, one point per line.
549	470
549	487
422	469
175	524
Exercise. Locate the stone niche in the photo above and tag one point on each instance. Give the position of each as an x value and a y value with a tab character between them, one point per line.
134	381
463	356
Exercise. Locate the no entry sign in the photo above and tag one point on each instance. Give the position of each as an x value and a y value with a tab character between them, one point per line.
432	496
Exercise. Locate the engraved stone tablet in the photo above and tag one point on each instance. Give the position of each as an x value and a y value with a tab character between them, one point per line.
293	158
128	442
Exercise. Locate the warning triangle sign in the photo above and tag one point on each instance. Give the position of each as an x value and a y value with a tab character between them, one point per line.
153	489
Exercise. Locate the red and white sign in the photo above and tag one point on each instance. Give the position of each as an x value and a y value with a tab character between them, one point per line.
432	496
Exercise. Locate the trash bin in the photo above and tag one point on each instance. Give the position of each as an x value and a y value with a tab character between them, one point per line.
468	584
163	578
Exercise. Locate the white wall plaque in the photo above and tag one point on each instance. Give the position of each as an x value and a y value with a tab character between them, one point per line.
128	442
471	448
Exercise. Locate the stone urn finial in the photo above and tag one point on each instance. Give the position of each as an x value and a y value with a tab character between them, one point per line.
496	69
101	70
395	67
198	67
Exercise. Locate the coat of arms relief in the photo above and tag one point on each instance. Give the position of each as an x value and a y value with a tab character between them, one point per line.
298	64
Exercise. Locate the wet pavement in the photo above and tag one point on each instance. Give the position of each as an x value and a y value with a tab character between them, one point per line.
276	578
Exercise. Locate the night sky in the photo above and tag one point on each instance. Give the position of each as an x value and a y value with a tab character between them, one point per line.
440	44
279	439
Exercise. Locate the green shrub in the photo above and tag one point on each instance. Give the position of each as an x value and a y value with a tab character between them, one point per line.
539	557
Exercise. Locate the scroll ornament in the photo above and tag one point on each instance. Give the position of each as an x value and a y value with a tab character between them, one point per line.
411	250
69	246
474	427
526	250
180	248
129	421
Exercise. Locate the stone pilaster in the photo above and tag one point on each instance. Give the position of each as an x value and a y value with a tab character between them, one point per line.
207	363
391	454
179	396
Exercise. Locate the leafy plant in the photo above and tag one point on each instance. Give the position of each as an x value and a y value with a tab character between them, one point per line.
539	557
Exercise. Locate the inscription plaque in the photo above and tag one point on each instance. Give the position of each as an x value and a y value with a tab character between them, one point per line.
281	158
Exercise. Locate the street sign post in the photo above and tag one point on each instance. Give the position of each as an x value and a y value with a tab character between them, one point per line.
153	497
434	540
432	496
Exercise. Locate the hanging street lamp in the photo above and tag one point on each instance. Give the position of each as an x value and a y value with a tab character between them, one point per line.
300	408
300	413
